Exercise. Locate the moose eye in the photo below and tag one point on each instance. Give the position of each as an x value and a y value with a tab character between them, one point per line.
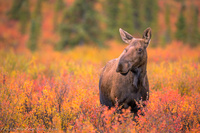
139	50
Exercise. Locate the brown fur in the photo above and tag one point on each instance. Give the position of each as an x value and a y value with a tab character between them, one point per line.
125	78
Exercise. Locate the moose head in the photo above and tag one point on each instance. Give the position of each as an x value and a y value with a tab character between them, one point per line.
135	54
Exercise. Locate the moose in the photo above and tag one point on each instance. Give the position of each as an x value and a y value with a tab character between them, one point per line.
124	80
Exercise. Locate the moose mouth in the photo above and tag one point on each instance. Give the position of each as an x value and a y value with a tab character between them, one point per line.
124	73
124	68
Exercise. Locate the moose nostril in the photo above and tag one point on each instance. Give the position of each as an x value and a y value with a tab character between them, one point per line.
119	67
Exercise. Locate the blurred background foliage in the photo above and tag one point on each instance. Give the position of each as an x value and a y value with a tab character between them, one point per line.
61	24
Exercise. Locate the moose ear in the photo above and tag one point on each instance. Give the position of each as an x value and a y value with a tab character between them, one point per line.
126	37
147	36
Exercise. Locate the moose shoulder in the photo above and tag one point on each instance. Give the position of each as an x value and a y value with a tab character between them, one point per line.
125	78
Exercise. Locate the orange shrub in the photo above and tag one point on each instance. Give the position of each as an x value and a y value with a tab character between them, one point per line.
59	91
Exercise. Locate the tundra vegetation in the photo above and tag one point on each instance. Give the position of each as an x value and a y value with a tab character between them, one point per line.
59	91
45	90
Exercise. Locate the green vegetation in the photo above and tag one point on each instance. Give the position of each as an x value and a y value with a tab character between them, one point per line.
95	21
20	10
181	32
168	36
111	15
79	25
193	32
35	28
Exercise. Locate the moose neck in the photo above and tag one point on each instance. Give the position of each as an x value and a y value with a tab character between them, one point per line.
138	75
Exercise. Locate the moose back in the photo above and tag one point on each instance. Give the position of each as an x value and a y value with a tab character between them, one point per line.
124	80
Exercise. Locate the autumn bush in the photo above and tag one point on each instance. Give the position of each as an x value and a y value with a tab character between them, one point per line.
52	91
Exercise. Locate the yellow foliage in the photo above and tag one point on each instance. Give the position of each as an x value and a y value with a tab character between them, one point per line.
54	91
